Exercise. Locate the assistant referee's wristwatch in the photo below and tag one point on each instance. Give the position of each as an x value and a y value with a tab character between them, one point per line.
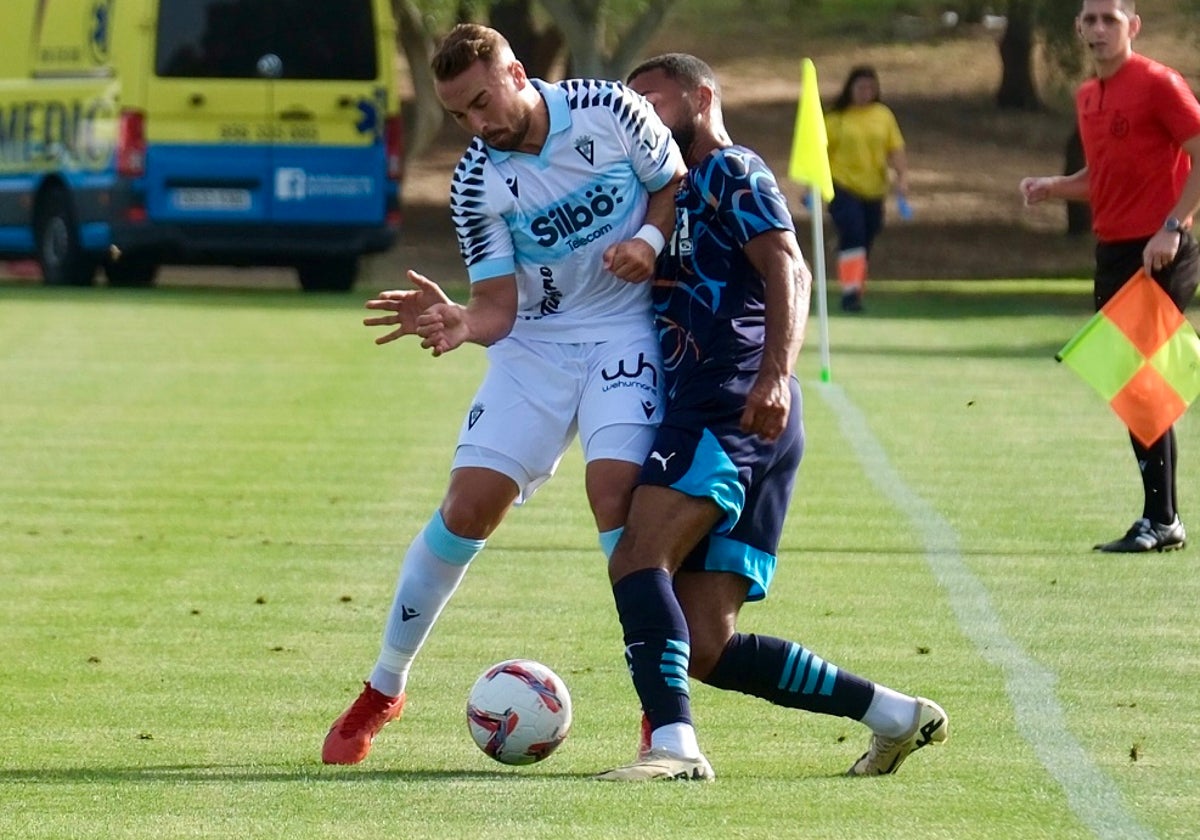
1174	225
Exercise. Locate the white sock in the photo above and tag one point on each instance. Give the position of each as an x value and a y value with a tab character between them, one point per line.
423	590
891	714
679	739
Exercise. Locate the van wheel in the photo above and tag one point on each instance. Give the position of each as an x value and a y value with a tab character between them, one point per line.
131	273
59	251
328	274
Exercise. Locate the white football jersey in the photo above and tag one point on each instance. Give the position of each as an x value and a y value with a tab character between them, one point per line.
548	218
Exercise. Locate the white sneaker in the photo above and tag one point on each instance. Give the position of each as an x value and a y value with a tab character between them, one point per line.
660	764
885	755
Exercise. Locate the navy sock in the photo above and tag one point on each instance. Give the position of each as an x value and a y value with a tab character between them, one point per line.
1157	463
786	674
1174	464
657	645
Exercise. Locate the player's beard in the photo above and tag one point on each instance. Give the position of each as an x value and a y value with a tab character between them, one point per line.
685	136
508	141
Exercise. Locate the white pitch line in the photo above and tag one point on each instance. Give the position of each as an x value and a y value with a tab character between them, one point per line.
1091	795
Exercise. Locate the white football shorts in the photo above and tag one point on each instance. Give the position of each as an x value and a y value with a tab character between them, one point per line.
537	395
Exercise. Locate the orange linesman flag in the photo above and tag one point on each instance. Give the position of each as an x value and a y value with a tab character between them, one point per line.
1141	355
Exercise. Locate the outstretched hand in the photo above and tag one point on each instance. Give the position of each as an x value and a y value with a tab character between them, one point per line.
406	306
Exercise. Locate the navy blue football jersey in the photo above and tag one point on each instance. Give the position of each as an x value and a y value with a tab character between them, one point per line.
708	299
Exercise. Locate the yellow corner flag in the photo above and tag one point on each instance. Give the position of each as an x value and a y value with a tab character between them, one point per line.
809	163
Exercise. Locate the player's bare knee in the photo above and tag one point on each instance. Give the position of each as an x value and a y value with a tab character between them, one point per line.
706	651
476	502
624	562
472	518
639	548
700	665
609	509
609	486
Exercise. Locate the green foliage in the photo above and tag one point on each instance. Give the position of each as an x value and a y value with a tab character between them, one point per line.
204	496
1056	21
440	15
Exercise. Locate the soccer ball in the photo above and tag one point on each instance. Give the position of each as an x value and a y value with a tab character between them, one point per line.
519	711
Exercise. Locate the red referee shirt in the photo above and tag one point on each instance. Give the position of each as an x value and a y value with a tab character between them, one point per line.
1132	125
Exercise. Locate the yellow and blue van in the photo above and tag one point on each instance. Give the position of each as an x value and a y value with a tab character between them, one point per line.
140	133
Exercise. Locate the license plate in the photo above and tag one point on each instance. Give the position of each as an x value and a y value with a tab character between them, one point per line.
210	198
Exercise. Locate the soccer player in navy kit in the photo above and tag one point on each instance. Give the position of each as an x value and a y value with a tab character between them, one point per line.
731	302
561	202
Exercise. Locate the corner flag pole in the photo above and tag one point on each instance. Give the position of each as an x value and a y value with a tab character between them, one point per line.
818	238
809	165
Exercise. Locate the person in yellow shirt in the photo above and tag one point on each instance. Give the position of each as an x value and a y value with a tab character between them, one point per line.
864	143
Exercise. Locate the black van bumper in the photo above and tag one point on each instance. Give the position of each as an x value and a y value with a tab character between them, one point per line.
248	245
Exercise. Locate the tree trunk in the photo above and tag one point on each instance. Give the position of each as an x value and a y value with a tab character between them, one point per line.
536	49
581	22
425	116
1079	213
629	48
583	25
1017	87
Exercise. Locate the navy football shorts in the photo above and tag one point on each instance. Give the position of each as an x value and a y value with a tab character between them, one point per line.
701	451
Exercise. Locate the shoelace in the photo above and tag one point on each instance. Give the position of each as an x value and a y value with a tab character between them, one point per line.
1139	527
881	745
365	707
1158	533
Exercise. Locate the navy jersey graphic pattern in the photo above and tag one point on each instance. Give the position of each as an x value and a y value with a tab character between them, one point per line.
708	299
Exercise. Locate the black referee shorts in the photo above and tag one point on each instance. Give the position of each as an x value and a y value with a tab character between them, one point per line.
1116	262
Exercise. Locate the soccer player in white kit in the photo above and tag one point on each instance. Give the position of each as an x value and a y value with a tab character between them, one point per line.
561	202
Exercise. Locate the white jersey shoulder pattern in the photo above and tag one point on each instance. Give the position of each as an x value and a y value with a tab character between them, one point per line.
548	218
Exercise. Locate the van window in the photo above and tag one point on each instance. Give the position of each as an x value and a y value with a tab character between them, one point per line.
226	39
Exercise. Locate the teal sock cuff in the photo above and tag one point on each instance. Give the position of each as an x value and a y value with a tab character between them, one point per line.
608	541
456	550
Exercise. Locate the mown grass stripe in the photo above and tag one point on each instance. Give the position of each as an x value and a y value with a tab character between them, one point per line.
1091	795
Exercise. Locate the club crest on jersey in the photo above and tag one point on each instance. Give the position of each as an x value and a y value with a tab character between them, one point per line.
572	222
681	244
586	148
474	415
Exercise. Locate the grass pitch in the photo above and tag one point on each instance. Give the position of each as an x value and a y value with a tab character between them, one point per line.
204	496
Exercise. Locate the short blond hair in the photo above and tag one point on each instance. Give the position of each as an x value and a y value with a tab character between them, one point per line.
463	46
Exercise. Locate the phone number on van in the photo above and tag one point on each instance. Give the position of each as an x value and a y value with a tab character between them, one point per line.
268	132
